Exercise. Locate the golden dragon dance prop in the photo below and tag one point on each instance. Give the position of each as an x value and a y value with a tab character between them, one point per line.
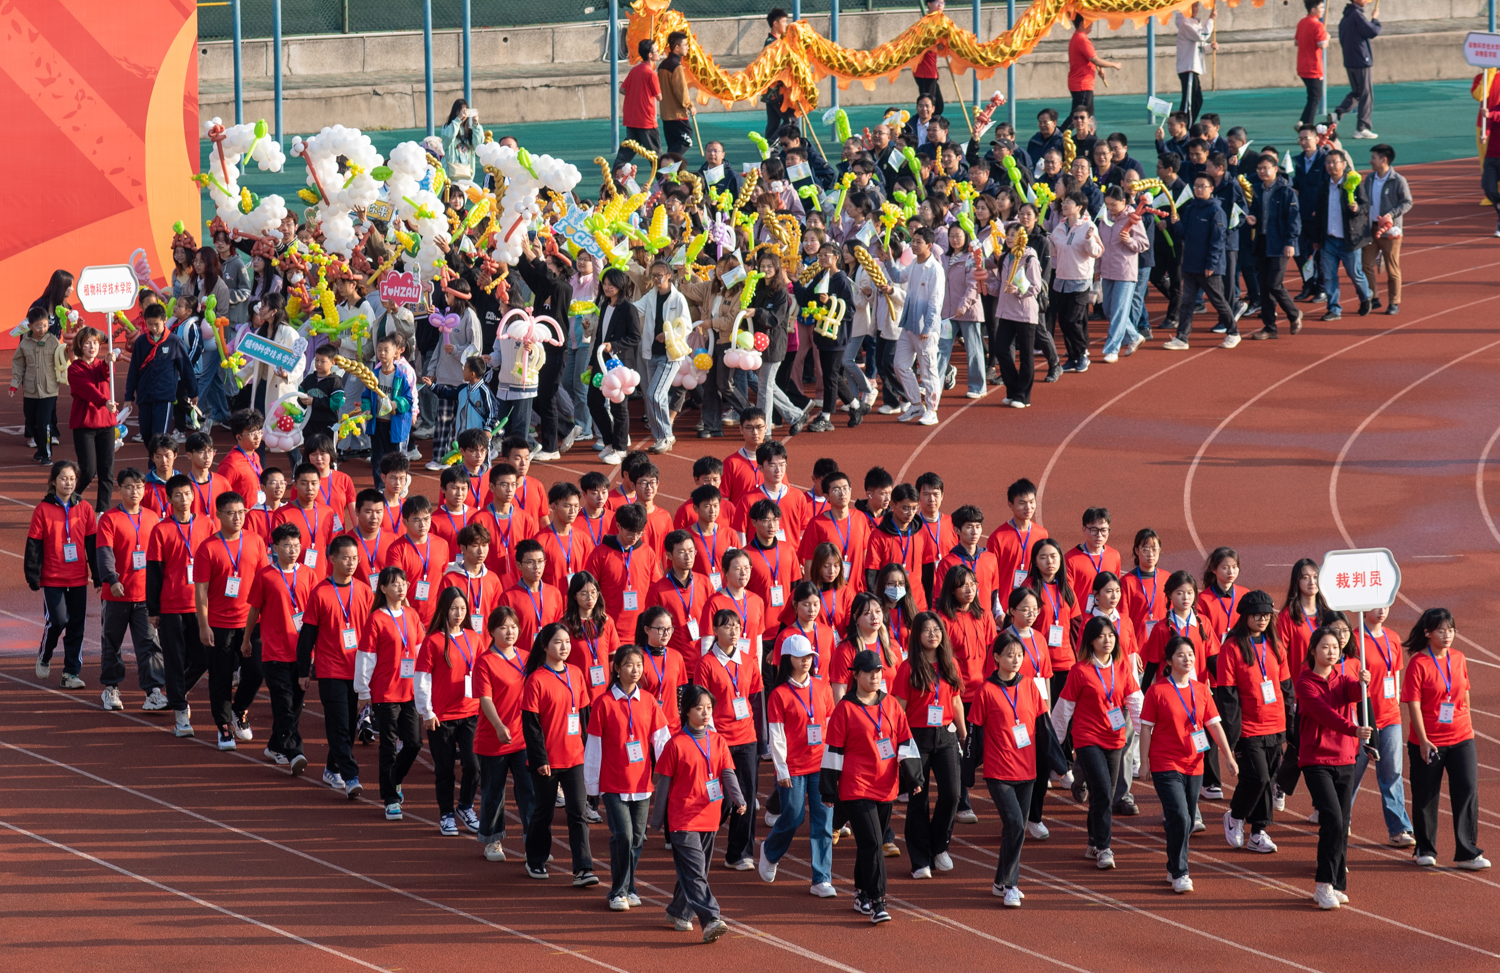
802	57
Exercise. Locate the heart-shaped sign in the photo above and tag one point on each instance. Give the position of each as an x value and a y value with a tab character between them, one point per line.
397	289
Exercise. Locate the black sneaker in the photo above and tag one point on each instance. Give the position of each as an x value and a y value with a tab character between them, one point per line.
1374	303
820	424
538	873
862	905
1053	374
1080	788
1364	307
857	415
584	880
878	914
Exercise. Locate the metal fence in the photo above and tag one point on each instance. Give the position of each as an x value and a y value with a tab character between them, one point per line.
363	16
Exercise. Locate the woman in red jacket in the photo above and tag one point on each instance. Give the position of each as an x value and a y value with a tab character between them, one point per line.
59	561
695	777
1328	740
92	418
971	632
1252	685
627	732
385	670
1007	714
929	690
445	700
1435	696
1100	699
552	721
500	744
869	756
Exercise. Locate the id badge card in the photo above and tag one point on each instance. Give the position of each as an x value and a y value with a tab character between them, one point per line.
777	596
1200	741
422	589
743	645
884	749
1116	718
70	553
1150	624
468	685
1054	636
634	752
1445	712
780	534
350	639
374	584
297	622
260	497
596	675
631	601
1090	605
310	558
1022	735
231	587
1042	685
476	622
190	571
1267	691
714	789
848	568
934	715
814	734
138	560
1388	687
1018	579
741	708
692	627
717	580
408	668
573	724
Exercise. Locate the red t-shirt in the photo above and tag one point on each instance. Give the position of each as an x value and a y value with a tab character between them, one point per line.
1384	659
155	499
999	710
642	92
741	477
928	66
173	545
691	764
127	536
1294	634
843	658
371	556
533	610
773	574
850	535
566	553
422	563
506	531
729	681
504	682
1258	715
1095	692
664	675
940	537
64	531
1143	601
242	469
834	611
1204	644
984	566
752	612
856	731
1012	550
390	646
555	697
787	712
796	513
479	485
658	526
1080	62
531	497
1431	682
1055	610
1219	612
617	498
336	491
973	640
450	659
279	599
687	515
1083	567
593	528
919	704
685	604
315	527
205	494
483	595
907	550
335	609
446	524
620	572
710	547
227	569
591	655
259	520
1174	714
823	639
1310	33
1036	662
616	722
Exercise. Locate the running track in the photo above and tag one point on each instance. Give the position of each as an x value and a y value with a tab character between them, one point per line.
138	851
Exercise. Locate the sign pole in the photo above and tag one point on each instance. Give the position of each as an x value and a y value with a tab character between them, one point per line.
1364	695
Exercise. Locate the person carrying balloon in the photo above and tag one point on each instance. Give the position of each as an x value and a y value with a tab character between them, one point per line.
389	402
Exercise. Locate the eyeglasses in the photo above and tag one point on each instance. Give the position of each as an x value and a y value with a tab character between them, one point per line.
534	563
660	630
1097	530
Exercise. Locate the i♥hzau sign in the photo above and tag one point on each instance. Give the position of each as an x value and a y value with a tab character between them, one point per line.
397	289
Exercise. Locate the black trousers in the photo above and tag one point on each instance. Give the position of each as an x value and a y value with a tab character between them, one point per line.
183	657
741	843
1192	94
932	88
1271	272
115	618
885	361
1017	371
679	133
775	117
1361	96
1073	319
492	773
1012	799
96	457
453	742
1211	286
1259	758
868	820
1314	99
1166	277
224	699
647	138
1332	793
340	713
539	833
1084	99
835	383
1289	772
691	853
398	721
720	392
1101	768
611	420
1489	180
40	414
545	403
1462	766
64	611
286	694
928	831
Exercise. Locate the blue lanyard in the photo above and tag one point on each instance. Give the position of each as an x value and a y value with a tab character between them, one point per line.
251	458
464	650
1109	692
426	554
1054	603
687	605
1192	711
742	608
827	612
1380	645
564	677
234	559
325	490
1014	708
661	675
372	558
469	588
588	525
734	677
567	550
1180	629
208	506
400	628
592	643
511	661
844	535
1151	600
972	563
346	609
808	705
1025	541
505	534
1447	676
936	535
713	549
476	489
1027	645
774	571
1099	564
702	748
535	607
896	624
1260	654
291	586
187	539
312	528
1227	609
629	702
875	720
464	513
394	511
135	522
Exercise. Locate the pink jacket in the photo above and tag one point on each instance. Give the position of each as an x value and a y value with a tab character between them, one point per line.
1075	249
1120	260
1019	307
961	297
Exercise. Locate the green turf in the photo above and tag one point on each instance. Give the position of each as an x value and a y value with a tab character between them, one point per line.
1427	121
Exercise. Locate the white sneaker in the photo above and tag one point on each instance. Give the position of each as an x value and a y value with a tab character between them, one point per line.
435	466
336	781
242	731
1181	885
155	700
1278	797
633	899
279	759
1013	898
823	890
870	397
912	412
767	867
393	811
928	419
493	852
771	819
619	904
891	410
1111	358
1425	861
682	925
1234	831
923	872
110	698
973	395
353	788
448	826
1365	133
1231	341
542	456
967	816
1404	840
1106	859
611	458
183	723
562	799
226	739
1323	896
1343	899
43	669
1175	344
589	814
743	865
1091	853
1132	347
71	681
1037	830
942	861
1477	864
469	819
1213	793
1261	843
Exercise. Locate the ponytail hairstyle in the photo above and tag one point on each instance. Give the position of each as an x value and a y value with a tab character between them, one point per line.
537	657
643	622
387	575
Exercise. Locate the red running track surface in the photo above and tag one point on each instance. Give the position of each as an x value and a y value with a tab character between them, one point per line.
133	850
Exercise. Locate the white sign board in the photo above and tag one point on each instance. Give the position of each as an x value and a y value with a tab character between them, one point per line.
1359	580
107	288
1482	50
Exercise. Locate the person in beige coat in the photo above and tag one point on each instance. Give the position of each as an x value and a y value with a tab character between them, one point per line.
39	365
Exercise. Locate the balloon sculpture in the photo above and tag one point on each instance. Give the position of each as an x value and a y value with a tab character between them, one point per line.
343	171
744	353
693	370
530	332
674	336
614	380
242	212
524	176
285	423
362	372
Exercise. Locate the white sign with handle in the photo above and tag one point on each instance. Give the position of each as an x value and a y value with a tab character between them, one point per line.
1359	580
1482	50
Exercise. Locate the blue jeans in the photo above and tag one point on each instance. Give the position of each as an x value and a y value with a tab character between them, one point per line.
1138	316
658	393
1387	740
1179	803
574	365
795	800
972	333
1336	251
1119	302
627	835
212	400
852	372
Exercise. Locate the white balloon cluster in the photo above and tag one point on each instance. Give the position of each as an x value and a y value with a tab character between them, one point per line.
266	215
409	168
340	190
525	176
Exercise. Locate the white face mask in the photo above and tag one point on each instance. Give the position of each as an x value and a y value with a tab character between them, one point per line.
895	592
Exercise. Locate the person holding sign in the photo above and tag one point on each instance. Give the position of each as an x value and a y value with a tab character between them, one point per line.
1435	698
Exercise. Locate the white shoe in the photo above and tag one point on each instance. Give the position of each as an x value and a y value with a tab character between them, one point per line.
71	681
43	669
682	925
1230	341
619	904
890	410
435	466
912	412
448	826
743	865
468	819
1365	133
183	723
1111	358
1404	840
942	861
1323	896
967	816
493	852
1343	899
771	819
823	890
1278	797
1013	898
592	816
110	699
1175	344
1261	843
1090	853
242	731
155	700
1132	348
1313	817
766	866
333	780
611	458
1234	831
279	759
1213	793
1476	864
920	873
1037	830
393	811
928	419
226	740
1425	861
1018	404
1182	885
562	800
870	397
1106	859
542	456
973	395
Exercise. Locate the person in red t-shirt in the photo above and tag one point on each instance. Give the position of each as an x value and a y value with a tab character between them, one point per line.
481	586
1312	43
1084	561
449	710
60	557
1251	684
170	597
332	625
732	673
123	535
642	91
712	534
624	567
385	670
1142	600
335	487
1013	542
968	549
423	556
683	592
658	522
741	474
926	71
530	495
241	466
552	720
279	596
262	517
1383	657
1083	64
840	525
536	602
507	523
207	485
564	541
594	640
454	513
1178	717
224	565
666	671
499	681
368	531
899	539
313	517
797	712
929	688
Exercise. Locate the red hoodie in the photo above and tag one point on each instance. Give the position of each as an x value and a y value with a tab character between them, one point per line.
1329	738
89	384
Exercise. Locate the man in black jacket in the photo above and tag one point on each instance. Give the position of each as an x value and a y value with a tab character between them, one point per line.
1202	229
1355	34
831	284
1306	168
1339	223
549	279
1275	225
790	137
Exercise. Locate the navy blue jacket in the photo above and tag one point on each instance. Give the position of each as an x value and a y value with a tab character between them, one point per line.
1355	32
169	369
1229	195
1278	218
1202	231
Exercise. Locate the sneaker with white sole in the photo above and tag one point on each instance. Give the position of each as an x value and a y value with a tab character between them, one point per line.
1278	797
589	814
771	819
611	458
1213	793
1425	861
71	681
1175	344
1037	831
1476	864
1261	844
1090	853
921	873
537	873
469	819
912	412
1106	859
682	925
1231	341
182	723
1323	896
1404	840
353	788
823	890
543	456
393	811
156	700
43	669
1132	347
448	826
715	930
966	816
1343	899
226	739
1111	358
766	866
562	800
242	731
743	865
890	410
110	699
1011	897
1234	830
1219	329
928	419
584	880
633	899
618	904
1198	826
493	852
942	861
1182	884
879	913
279	759
436	466
298	765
